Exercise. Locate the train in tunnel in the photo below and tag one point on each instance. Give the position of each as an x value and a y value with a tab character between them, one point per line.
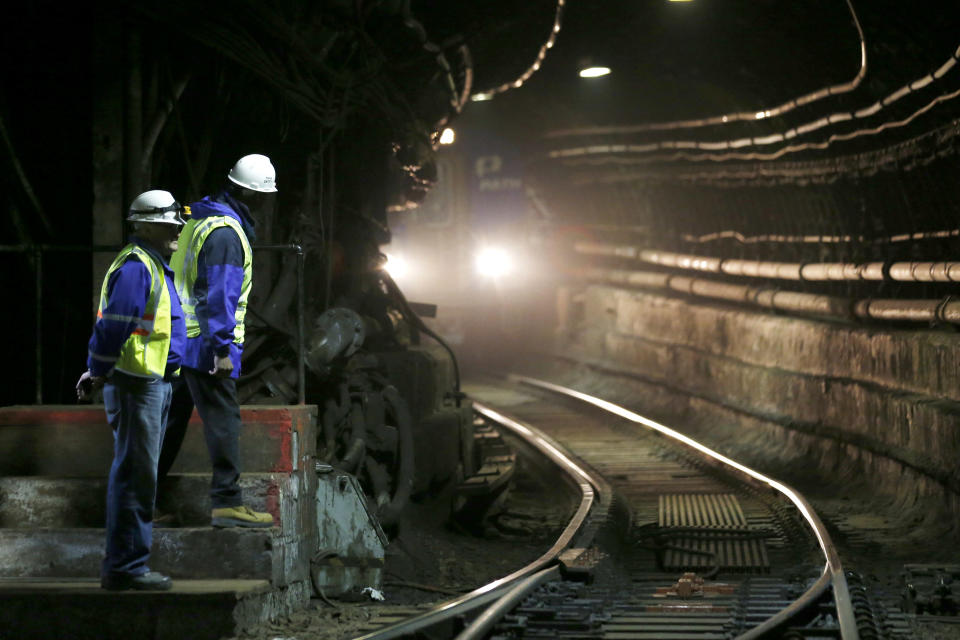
742	215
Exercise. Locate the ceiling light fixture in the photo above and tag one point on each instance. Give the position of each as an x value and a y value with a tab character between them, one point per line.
786	107
594	72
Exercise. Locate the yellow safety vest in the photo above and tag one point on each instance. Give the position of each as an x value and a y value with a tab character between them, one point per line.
144	354
184	265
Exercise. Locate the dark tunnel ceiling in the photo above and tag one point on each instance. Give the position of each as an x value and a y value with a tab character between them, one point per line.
677	60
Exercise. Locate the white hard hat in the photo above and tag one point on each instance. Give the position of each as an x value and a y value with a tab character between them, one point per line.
156	206
254	172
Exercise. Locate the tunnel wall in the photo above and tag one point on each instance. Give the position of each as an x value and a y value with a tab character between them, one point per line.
873	403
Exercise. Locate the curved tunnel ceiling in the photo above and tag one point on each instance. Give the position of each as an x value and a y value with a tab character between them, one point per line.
682	60
592	156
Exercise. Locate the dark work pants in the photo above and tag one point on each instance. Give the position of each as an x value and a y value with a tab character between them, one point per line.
216	402
136	410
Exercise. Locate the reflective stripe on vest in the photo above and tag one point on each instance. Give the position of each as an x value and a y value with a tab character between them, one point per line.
144	354
184	265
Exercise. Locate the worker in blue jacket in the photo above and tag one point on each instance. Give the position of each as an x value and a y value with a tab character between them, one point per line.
135	350
214	272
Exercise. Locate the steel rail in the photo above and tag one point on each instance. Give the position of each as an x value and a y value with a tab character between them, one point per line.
486	620
833	570
504	587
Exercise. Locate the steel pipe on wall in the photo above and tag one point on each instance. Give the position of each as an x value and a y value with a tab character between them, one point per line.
942	310
923	271
945	310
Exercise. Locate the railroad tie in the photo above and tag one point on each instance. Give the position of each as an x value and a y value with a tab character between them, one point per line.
709	535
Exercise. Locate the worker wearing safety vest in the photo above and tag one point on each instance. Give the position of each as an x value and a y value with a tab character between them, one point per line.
213	267
136	348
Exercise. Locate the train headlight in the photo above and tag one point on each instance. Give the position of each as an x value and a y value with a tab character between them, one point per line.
494	263
396	266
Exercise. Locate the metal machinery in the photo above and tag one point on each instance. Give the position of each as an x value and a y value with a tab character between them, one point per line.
392	422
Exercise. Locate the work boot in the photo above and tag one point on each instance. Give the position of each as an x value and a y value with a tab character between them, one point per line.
241	516
149	581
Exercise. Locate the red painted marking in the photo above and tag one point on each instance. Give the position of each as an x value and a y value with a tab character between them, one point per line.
280	431
273	502
269	427
52	414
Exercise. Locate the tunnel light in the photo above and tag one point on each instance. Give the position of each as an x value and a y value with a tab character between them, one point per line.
448	136
594	72
396	266
494	263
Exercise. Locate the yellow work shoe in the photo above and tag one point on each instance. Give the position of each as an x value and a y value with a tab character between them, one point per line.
241	516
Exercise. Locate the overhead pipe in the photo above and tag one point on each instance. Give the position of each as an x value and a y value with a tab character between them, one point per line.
730	234
765	297
752	115
925	271
753	268
603	249
839	271
943	310
937	310
537	63
619	153
905	155
920	271
783	136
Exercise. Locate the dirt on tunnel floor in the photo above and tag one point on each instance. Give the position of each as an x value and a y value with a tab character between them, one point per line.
429	559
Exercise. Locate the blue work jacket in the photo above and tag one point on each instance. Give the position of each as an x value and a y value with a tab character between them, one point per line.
218	284
128	291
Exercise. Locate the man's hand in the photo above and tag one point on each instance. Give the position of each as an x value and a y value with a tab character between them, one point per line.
88	384
222	366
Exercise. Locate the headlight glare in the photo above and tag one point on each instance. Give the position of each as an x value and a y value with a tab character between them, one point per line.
494	263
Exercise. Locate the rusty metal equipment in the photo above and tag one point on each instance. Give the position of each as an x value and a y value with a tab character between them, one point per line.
352	543
928	589
478	494
338	331
366	425
367	431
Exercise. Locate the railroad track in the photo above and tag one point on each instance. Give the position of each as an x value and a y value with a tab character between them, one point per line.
670	541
